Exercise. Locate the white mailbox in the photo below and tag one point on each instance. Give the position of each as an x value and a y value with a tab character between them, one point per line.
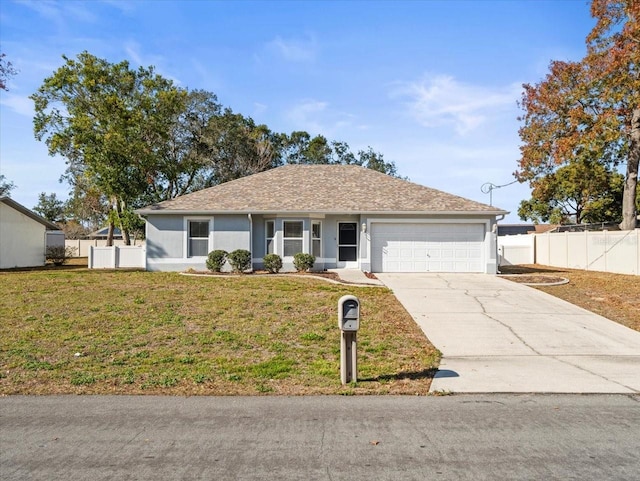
349	313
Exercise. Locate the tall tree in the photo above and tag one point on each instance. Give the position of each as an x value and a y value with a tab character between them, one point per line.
237	147
300	148
107	120
579	192
589	110
375	161
184	158
50	207
6	71
6	186
87	205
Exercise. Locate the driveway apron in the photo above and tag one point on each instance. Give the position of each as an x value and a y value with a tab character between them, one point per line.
499	336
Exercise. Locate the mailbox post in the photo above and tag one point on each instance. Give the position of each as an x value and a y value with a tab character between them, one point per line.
349	323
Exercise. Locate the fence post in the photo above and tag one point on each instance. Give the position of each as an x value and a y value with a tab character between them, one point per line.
586	249
606	250
90	258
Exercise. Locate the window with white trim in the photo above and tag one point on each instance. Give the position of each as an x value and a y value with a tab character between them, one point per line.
316	239
270	230
292	239
198	238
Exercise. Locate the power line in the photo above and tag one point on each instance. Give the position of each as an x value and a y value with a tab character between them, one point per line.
488	188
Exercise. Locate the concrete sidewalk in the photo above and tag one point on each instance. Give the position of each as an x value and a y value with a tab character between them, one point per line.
355	276
499	336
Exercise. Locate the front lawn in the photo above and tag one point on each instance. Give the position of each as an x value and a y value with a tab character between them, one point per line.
73	330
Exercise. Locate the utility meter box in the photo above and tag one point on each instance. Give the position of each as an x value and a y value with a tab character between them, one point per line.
349	313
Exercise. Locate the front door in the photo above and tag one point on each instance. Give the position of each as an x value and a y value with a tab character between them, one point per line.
347	245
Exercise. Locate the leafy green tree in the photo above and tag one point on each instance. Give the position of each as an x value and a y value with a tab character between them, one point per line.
580	192
107	120
590	109
375	161
6	186
184	157
237	147
6	71
300	148
87	205
50	207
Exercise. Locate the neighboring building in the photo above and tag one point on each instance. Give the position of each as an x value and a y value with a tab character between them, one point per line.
515	229
347	216
102	234
23	235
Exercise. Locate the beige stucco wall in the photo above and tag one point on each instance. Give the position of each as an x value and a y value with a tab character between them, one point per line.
22	239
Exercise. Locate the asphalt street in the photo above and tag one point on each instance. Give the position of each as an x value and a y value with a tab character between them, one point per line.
459	437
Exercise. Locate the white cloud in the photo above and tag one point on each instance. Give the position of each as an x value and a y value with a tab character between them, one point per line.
306	116
60	12
20	105
441	100
317	117
259	108
294	50
133	50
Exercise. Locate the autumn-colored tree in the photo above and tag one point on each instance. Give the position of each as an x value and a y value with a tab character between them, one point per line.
589	110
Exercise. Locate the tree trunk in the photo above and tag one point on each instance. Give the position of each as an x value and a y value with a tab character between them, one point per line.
110	233
629	213
124	230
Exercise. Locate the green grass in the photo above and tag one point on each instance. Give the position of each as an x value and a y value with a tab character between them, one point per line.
81	331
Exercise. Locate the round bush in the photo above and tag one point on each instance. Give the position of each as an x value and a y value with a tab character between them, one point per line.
303	262
272	263
240	260
216	260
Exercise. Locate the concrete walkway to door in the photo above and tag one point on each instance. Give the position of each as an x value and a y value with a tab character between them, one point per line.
499	336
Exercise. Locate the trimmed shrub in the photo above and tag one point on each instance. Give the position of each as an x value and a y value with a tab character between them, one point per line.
303	262
272	263
216	260
59	255
240	260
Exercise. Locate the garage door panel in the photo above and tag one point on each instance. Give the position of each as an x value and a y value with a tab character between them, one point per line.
413	247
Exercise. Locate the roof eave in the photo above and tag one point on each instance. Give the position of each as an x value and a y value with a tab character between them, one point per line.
144	212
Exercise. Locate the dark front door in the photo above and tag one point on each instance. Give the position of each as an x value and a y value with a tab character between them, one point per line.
347	242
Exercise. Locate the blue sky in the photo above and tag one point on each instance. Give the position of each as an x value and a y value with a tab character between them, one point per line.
433	85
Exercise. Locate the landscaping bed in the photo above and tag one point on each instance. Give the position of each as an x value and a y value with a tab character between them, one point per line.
74	330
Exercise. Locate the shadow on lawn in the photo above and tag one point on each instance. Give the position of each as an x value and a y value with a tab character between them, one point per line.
413	376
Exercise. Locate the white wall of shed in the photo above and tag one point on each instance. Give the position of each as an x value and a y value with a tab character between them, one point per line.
22	239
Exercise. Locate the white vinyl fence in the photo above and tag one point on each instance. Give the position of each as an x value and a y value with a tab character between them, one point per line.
606	251
116	257
82	245
516	249
615	251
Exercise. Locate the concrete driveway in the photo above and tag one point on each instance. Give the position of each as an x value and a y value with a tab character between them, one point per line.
499	336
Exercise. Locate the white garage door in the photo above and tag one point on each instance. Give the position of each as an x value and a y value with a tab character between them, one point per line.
427	247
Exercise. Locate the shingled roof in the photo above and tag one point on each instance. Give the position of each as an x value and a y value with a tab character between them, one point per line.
319	189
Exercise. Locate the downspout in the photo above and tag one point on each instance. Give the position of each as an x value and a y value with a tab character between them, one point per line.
251	238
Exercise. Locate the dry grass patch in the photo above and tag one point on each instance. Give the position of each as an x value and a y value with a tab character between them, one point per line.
614	296
73	330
